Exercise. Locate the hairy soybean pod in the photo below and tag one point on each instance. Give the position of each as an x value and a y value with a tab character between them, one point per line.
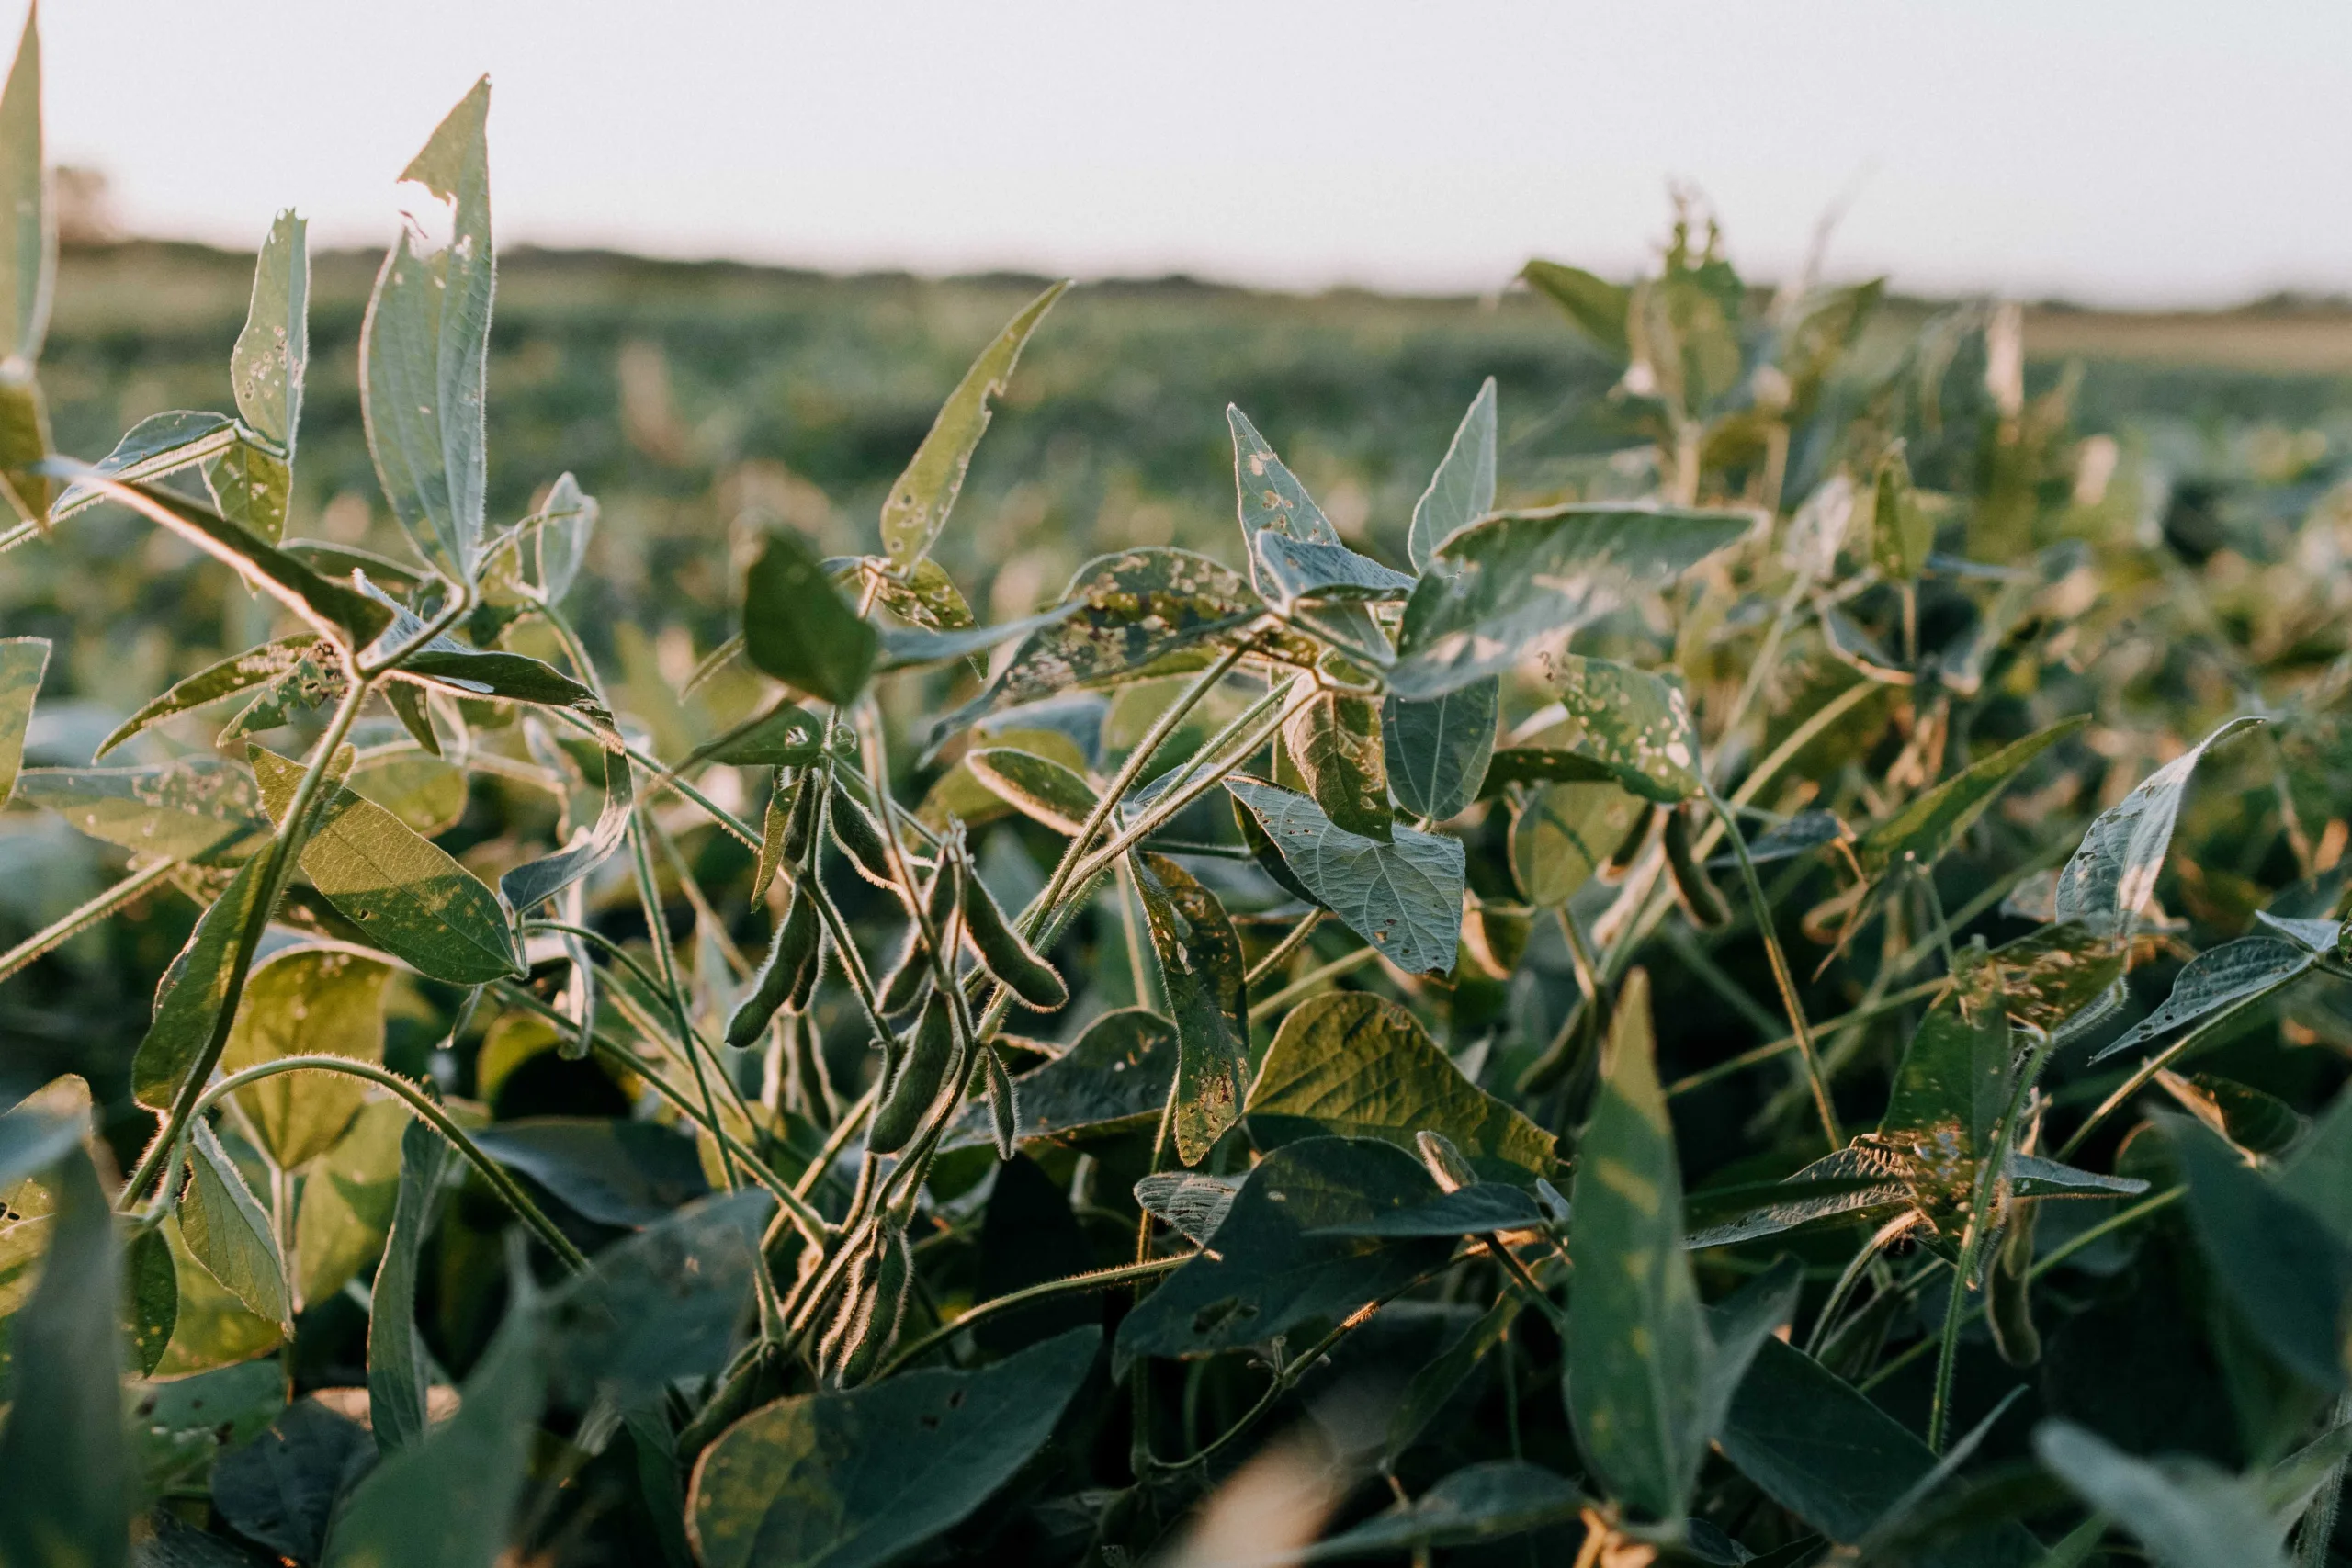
916	1084
1004	1106
812	969
905	987
860	839
885	1304
853	1310
1701	899
775	833
788	957
1006	956
2008	1304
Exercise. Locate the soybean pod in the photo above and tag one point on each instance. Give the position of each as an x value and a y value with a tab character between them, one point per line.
1701	899
1005	955
916	1084
859	837
790	956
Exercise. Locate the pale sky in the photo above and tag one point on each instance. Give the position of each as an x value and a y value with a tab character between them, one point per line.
2123	151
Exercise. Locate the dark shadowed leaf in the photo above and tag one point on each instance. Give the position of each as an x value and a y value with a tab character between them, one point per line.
1476	1210
1805	830
798	629
1852	1179
1113	1079
2114	870
1565	834
858	1479
1437	750
1440	1381
785	735
1540	765
663	1303
229	1232
1493	1500
189	997
1925	829
1201	973
198	809
399	1375
1462	490
2318	1174
1351	1064
279	1488
615	1173
1950	1089
2184	1511
1192	1202
1403	897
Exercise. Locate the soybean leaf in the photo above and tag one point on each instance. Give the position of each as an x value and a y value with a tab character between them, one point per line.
449	1499
250	486
2220	979
1598	306
1462	490
911	648
1565	834
859	1479
1437	750
1038	787
2061	978
229	1232
239	672
2276	1261
917	504
213	1327
398	1368
189	997
1351	1064
198	809
350	560
69	1486
1479	1208
1201	973
2318	1173
928	599
554	541
312	676
2031	1176
1192	1200
2114	870
266	366
1736	1329
410	896
23	661
1926	828
534	882
1335	743
347	1202
29	255
1845	1182
1440	1381
1823	1451
446	664
306	1000
426	792
1305	559
159	444
1492	1500
278	1489
1506	587
661	1304
616	1173
1291	572
425	350
785	735
1805	830
1635	723
1268	1272
32	1139
1637	1342
1403	897
2186	1512
151	1298
1113	1079
798	629
1902	530
1950	1089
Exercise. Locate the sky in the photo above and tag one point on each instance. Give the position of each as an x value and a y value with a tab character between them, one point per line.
2152	153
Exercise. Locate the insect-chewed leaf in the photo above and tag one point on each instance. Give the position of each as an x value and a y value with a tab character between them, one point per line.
1950	1089
2114	870
2060	979
266	366
661	1304
534	882
69	1491
1845	1182
1510	585
229	1232
450	1497
150	1304
1598	306
917	504
908	647
1823	1451
1334	741
927	599
2318	1172
858	1479
410	896
1294	552
250	486
1269	1272
189	997
1490	1501
798	629
2184	1511
239	672
783	736
307	1000
1039	788
1925	829
1438	749
1567	832
23	661
1352	1064
1200	972
425	350
2220	979
1462	490
1403	897
1636	724
1636	1341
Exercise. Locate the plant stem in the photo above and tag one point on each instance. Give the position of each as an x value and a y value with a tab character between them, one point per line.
1293	939
1267	1008
1099	1279
1781	975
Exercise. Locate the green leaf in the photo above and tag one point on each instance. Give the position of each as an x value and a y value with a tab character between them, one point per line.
1540	764
307	1000
2318	1173
69	1488
1479	1208
1638	1350
27	459
615	1173
347	1200
422	790
1513	584
398	1368
1949	1093
23	661
266	366
1462	490
445	664
1114	1079
214	1328
917	507
798	629
2186	1512
534	882
1440	1381
1269	1273
660	1306
2114	870
1403	897
1294	552
905	647
449	1501
425	351
1201	973
1565	834
1335	743
239	672
2031	1176
1192	1201
1351	1064
251	487
1823	1451
198	809
1437	750
2061	978
313	678
1902	531
785	735
161	444
151	1298
229	1232
859	1479
1492	1500
29	258
1596	306
1635	724
555	543
2287	1273
1736	1329
413	899
2220	979
1040	788
189	997
1927	826
1846	1182
278	1490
